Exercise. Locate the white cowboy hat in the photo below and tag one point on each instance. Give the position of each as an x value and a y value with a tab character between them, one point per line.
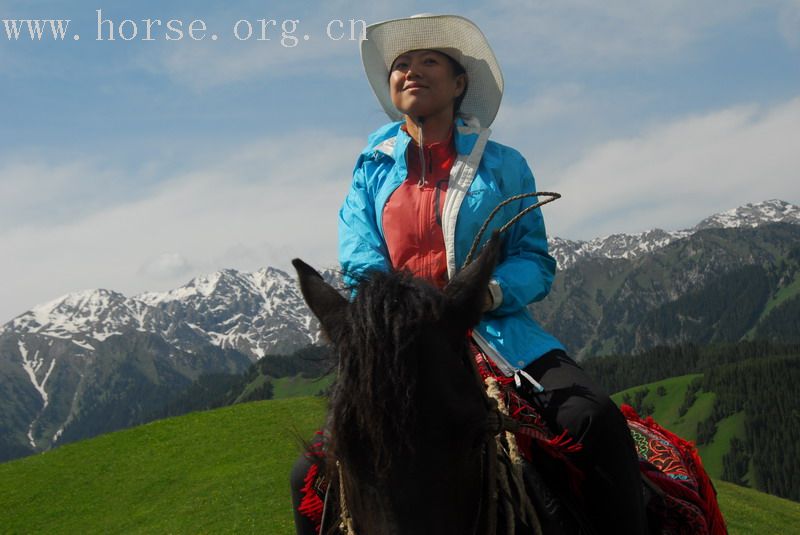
453	35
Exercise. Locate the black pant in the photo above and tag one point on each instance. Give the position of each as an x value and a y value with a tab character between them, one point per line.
573	401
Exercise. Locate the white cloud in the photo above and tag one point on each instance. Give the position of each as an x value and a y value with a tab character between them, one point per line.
590	34
546	107
553	125
261	205
560	122
673	175
37	189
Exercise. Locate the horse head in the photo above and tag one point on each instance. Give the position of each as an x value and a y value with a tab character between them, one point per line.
408	415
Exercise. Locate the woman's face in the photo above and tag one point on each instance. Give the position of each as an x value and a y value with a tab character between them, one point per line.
422	83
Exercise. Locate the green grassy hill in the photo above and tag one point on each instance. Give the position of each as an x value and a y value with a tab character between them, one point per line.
666	405
752	512
221	471
291	387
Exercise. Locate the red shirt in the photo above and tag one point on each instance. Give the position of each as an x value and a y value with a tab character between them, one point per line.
412	222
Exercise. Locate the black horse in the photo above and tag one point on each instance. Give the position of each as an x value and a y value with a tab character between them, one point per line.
408	415
411	428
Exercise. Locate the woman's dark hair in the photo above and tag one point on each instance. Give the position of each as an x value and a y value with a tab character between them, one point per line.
457	70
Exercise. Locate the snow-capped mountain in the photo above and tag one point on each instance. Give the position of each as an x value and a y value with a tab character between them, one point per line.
255	313
753	215
95	314
567	252
69	363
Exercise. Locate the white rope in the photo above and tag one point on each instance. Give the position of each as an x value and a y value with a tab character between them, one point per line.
507	445
346	521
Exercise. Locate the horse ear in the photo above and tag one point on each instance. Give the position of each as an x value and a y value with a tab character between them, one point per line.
324	301
467	290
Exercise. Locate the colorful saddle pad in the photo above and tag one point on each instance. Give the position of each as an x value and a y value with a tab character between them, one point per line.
684	500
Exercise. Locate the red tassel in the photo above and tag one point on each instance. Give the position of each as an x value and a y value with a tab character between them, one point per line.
566	443
311	505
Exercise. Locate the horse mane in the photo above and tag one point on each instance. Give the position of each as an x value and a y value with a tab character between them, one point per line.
373	402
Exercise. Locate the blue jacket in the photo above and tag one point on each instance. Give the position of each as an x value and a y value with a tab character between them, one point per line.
484	174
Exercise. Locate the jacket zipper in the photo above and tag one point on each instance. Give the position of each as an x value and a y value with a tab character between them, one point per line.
436	202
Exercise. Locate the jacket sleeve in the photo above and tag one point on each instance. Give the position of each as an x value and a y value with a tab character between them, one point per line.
361	246
526	273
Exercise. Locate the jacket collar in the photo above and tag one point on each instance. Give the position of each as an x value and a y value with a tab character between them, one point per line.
395	140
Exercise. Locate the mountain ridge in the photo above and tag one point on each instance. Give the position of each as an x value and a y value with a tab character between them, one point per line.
718	285
67	358
253	298
621	245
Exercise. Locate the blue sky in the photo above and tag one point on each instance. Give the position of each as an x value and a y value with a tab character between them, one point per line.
137	165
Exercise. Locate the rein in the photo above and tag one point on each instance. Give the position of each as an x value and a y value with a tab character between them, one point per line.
498	477
501	476
504	424
551	197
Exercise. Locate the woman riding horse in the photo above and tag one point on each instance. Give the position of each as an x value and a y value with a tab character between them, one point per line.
424	185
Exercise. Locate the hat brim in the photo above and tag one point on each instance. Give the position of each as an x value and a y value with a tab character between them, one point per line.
451	34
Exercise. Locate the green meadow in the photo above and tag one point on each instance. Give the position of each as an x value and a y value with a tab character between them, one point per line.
220	471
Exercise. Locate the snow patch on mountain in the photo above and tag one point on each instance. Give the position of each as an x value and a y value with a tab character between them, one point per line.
83	345
32	366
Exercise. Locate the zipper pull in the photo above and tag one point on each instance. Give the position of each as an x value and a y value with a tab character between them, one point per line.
421	165
421	146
